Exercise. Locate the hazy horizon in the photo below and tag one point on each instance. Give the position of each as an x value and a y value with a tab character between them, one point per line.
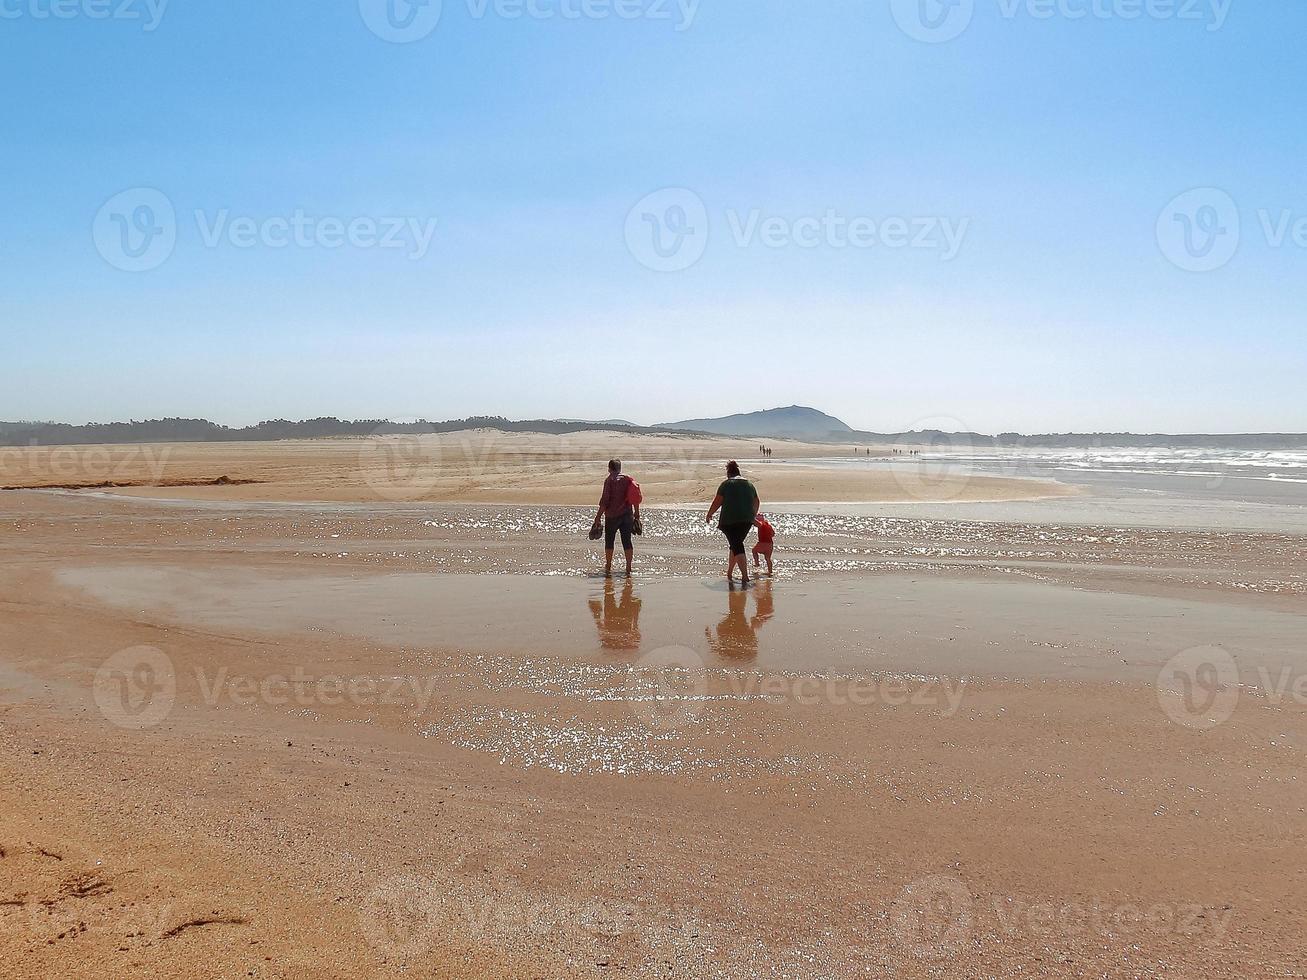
679	212
636	422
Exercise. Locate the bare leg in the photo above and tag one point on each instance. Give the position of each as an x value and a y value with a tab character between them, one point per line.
630	554
608	562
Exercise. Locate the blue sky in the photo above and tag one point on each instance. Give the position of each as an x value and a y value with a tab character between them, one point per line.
1052	147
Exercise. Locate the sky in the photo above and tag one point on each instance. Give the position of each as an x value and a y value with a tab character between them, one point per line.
989	215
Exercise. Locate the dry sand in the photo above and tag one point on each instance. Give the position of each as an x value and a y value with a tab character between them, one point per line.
406	739
484	467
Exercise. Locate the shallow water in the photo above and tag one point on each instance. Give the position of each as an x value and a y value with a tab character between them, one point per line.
918	626
1094	549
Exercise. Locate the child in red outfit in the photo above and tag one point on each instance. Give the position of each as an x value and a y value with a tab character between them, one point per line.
766	535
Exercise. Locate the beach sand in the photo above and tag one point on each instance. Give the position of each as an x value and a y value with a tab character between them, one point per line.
377	736
485	466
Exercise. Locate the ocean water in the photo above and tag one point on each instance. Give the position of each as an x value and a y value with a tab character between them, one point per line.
1193	488
1273	476
1214	467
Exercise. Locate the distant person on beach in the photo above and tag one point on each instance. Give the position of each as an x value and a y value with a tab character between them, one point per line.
738	501
619	511
766	537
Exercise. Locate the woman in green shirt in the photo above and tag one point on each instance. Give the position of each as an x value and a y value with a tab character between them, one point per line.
738	501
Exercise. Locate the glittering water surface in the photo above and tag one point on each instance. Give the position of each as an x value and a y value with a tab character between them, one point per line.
551	541
528	739
677	719
676	543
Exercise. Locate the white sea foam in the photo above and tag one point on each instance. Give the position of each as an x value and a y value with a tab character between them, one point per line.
1210	464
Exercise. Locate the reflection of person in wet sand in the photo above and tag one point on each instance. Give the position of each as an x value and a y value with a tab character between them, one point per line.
736	636
618	621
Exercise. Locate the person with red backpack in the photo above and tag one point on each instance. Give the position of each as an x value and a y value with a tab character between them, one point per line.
619	512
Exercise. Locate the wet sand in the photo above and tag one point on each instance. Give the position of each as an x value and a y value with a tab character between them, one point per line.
343	740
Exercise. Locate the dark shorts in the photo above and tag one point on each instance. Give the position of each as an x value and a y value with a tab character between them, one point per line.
614	524
735	534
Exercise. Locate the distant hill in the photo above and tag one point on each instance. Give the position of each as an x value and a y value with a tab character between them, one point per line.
798	422
795	422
